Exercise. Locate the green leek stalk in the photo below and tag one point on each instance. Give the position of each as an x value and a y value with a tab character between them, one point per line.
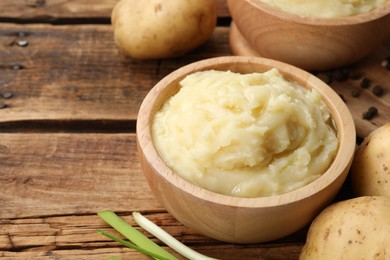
134	235
168	239
130	245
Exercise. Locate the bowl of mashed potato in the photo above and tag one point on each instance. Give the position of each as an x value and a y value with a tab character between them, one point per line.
244	149
313	35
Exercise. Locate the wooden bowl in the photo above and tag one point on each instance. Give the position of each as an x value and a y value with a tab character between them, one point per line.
309	43
234	219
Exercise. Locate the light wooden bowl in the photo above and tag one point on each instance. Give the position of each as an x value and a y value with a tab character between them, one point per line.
233	219
309	43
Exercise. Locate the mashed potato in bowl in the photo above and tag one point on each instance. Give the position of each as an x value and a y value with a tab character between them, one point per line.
245	135
326	8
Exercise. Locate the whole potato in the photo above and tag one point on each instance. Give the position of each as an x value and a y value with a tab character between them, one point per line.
370	171
358	228
162	29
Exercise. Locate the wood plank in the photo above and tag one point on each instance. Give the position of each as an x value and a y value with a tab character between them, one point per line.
52	10
75	231
76	73
52	185
60	174
72	73
70	236
372	69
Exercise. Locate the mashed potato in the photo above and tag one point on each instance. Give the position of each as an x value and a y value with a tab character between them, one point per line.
326	8
245	135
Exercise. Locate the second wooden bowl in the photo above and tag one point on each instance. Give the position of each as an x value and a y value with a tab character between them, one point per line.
307	42
233	219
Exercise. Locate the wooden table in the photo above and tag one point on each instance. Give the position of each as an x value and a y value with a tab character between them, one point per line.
69	103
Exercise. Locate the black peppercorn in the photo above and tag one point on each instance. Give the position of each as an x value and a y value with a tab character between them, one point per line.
355	92
365	83
373	110
370	113
367	115
378	91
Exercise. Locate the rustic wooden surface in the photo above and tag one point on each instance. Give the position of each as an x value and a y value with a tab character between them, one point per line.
61	11
67	133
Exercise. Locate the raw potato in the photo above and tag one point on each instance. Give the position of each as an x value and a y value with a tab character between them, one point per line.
370	171
162	29
358	228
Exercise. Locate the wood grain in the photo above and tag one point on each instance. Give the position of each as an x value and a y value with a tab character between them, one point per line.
67	237
66	69
76	72
53	185
61	174
369	68
67	134
51	10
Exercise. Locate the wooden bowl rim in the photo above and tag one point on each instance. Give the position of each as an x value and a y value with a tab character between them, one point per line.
343	120
346	20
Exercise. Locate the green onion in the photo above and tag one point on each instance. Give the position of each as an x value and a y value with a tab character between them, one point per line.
134	235
167	238
132	246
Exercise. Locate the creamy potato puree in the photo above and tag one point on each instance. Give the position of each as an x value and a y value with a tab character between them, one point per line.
245	135
326	8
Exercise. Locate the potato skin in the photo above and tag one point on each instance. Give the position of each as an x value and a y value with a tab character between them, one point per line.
162	29
358	228
370	171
